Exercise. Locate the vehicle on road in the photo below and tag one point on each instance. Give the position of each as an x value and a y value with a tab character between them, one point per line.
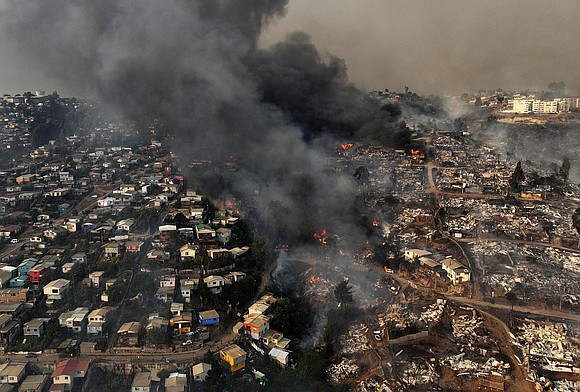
14	241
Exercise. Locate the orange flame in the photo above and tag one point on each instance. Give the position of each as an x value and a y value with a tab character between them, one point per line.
346	146
314	279
321	235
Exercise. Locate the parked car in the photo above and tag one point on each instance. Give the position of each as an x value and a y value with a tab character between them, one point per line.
14	241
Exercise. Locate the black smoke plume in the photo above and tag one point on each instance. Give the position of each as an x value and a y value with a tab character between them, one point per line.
197	66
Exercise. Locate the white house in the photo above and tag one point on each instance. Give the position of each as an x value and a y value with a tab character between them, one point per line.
412	254
56	289
456	272
141	382
214	283
12	373
199	371
188	251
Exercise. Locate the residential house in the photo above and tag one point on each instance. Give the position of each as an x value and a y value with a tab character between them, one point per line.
96	320
37	272
12	373
18	281
36	327
34	383
188	251
199	371
127	188
176	308
11	309
187	290
208	317
26	265
56	289
166	232
181	325
234	356
456	272
5	277
217	253
258	308
223	235
165	294
14	295
412	254
67	267
10	231
96	278
158	255
128	334
280	355
167	281
256	326
273	338
74	320
112	249
9	330
80	257
141	382
134	246
69	373
125	225
238	252
176	382
154	321
215	283
205	233
58	192
235	277
105	202
55	232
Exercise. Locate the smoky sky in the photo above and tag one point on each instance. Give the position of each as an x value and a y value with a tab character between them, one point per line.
447	46
274	111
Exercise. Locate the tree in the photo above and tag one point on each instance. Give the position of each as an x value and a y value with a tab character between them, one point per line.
565	168
343	293
576	222
288	318
517	178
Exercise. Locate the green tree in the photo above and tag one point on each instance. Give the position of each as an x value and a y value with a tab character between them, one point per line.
517	177
343	293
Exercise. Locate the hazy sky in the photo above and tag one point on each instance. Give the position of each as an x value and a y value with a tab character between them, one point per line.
445	46
434	47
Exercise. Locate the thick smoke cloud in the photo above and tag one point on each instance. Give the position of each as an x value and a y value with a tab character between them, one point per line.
196	65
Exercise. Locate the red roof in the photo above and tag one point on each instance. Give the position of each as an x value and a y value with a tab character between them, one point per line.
57	388
70	367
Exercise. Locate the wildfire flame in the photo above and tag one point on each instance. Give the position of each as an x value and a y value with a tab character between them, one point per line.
314	279
321	235
415	152
376	223
346	146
